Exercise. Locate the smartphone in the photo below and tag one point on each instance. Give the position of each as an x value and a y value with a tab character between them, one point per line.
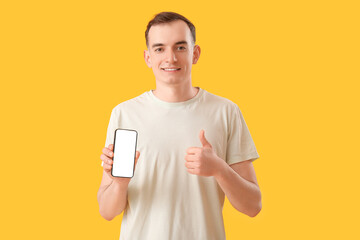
124	153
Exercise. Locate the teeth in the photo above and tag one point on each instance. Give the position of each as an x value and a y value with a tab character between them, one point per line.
170	69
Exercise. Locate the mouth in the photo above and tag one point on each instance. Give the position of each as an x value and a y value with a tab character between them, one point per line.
170	69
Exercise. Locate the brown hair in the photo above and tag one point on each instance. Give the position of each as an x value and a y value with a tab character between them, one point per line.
166	17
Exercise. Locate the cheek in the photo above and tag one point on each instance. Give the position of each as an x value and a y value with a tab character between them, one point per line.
188	67
155	61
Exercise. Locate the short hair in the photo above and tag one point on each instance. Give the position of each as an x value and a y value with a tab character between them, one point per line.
167	17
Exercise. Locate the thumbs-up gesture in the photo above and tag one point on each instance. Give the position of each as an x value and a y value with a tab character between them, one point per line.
203	161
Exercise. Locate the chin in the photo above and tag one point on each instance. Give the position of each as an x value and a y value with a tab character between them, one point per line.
171	80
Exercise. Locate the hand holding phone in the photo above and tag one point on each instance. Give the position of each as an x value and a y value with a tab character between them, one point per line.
119	159
124	153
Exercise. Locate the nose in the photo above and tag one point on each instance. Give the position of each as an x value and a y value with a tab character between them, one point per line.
171	56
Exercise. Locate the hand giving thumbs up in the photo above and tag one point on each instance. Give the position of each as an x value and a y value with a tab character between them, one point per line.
203	161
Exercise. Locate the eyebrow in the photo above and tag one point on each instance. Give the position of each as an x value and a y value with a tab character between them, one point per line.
161	44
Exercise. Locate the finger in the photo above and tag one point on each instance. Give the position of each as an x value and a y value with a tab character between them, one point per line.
193	150
106	159
193	171
203	140
107	167
111	146
137	155
104	164
108	152
190	165
191	157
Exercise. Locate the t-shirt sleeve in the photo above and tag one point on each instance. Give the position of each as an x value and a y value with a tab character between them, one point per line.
240	145
113	124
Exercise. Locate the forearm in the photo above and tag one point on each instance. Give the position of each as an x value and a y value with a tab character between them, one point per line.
244	196
112	200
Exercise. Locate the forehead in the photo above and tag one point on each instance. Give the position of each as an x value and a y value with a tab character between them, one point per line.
169	33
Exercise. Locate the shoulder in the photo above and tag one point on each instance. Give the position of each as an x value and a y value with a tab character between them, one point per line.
220	101
131	103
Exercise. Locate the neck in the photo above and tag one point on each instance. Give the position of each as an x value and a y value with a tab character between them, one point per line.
175	93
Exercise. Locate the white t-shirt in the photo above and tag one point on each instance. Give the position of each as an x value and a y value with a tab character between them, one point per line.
165	202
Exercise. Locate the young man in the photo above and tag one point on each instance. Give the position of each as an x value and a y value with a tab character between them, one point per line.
195	149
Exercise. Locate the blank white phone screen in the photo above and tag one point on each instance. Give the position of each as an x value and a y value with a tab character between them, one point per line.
124	153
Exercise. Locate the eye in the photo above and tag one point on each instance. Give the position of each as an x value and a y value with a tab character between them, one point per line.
182	48
158	49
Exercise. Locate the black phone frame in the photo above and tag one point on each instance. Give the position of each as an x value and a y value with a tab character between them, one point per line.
134	153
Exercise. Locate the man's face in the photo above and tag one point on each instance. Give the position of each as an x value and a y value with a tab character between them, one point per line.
171	52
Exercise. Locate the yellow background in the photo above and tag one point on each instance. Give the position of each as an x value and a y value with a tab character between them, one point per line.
291	66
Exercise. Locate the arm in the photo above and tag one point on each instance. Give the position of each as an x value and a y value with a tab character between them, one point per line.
112	194
112	197
238	181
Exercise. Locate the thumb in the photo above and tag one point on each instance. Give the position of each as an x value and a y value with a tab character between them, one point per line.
203	140
137	155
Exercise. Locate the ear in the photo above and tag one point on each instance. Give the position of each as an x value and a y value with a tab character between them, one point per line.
147	58
196	54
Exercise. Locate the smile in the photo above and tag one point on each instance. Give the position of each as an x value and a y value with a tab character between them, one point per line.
170	69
